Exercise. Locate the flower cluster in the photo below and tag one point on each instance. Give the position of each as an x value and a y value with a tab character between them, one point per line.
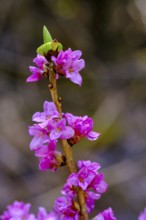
46	131
107	214
82	128
21	211
90	181
49	127
67	64
64	209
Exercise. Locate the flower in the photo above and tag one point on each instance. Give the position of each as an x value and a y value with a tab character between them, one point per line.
20	211
94	166
89	180
68	64
107	214
142	215
66	209
49	157
48	128
37	72
17	211
82	179
50	111
40	136
90	198
43	215
58	129
82	126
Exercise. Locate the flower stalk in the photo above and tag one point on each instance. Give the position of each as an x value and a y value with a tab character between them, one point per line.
65	145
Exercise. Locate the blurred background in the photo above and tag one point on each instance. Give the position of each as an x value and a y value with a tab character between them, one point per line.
112	37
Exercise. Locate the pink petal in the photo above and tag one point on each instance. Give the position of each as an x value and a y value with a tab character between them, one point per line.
35	143
75	77
39	61
73	179
92	135
34	77
61	123
50	109
67	133
55	134
39	117
76	54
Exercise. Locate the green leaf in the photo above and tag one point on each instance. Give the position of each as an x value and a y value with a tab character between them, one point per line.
43	49
46	35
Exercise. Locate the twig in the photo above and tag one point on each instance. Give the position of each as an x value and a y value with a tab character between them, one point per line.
65	145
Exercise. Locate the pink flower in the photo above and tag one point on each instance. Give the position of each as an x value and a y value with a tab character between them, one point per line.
17	211
107	214
98	183
82	126
65	208
142	215
88	164
82	179
68	190
49	157
37	72
87	179
43	215
20	211
40	136
50	111
58	129
90	198
68	64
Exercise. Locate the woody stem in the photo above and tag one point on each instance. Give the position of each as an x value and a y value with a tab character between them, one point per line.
65	145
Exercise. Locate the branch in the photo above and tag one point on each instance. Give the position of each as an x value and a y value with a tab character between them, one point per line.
65	145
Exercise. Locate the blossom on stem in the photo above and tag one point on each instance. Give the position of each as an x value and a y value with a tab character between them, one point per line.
58	129
40	136
142	215
89	180
66	208
94	166
49	157
90	198
37	72
50	112
68	64
82	179
43	215
20	211
107	214
82	126
17	211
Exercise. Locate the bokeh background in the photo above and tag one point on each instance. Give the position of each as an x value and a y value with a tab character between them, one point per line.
112	37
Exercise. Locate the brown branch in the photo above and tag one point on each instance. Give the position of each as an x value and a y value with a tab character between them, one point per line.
65	145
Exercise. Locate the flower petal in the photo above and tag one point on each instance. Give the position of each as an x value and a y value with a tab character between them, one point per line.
55	134
75	77
67	133
50	109
40	61
35	143
39	117
92	135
